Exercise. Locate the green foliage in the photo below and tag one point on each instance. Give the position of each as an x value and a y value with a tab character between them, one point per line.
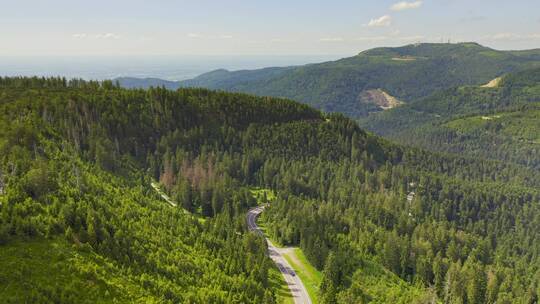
408	73
45	271
72	157
77	160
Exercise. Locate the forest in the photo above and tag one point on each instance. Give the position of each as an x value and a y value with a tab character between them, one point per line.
409	73
500	122
78	157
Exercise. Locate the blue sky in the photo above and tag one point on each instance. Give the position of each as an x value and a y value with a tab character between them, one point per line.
256	27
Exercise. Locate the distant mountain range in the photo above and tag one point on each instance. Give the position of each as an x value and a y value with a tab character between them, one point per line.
371	81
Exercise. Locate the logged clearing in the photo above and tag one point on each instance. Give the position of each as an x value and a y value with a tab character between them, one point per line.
379	97
403	58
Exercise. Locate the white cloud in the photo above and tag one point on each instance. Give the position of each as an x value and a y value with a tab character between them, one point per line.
107	36
332	39
96	36
278	40
209	36
145	38
385	20
371	38
412	38
391	38
404	5
79	35
504	36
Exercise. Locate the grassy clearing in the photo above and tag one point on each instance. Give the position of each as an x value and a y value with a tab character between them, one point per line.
493	83
310	276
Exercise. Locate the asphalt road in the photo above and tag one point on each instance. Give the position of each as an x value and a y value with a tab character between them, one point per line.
297	288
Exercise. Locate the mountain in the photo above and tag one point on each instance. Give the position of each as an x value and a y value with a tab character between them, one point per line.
80	221
406	73
498	120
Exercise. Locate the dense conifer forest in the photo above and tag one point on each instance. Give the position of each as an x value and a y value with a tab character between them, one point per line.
80	222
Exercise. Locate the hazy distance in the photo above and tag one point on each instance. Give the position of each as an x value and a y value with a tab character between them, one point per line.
164	67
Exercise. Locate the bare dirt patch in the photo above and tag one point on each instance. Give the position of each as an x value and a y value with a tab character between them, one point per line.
380	98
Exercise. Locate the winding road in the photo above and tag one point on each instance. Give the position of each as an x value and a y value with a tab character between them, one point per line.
297	288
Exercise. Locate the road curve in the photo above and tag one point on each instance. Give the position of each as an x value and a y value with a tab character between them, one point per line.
297	288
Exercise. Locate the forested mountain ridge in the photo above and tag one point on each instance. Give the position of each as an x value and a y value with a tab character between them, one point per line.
407	73
73	155
77	159
500	121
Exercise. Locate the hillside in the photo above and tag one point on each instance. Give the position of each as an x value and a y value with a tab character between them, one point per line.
497	121
80	221
74	187
407	73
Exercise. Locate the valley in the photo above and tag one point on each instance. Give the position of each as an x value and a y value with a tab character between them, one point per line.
154	194
270	152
